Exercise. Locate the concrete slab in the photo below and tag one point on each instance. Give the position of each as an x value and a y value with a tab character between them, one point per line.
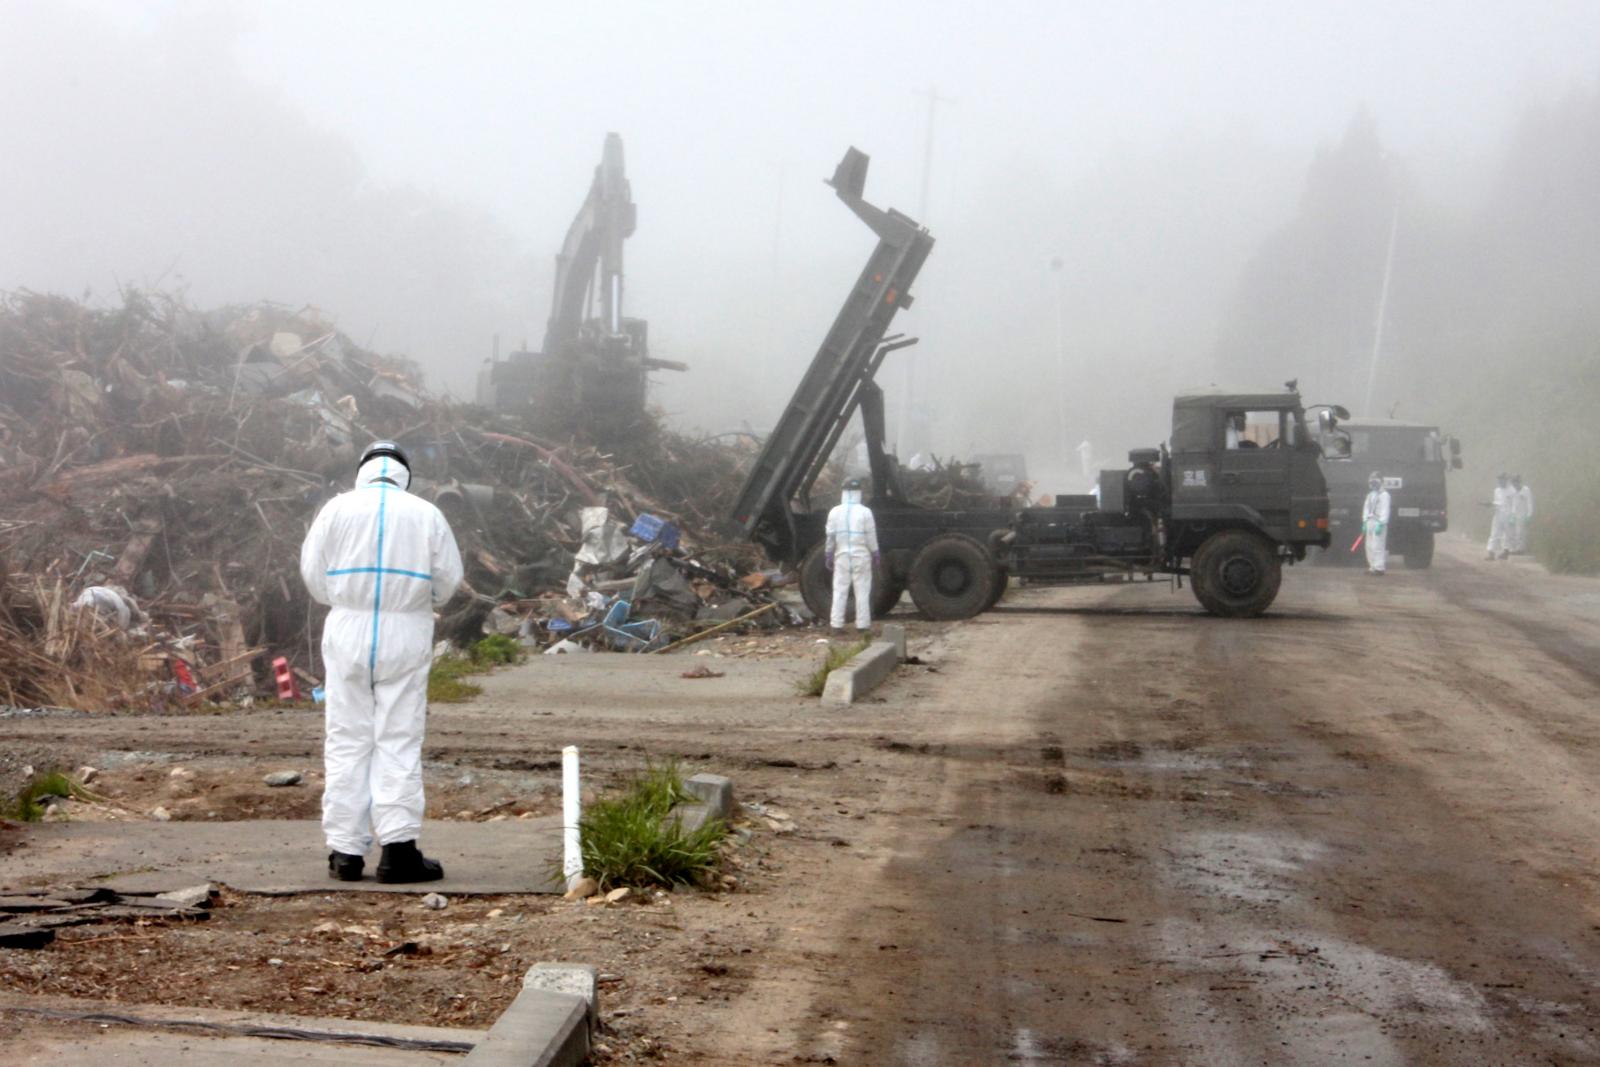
41	1034
276	857
157	1048
870	668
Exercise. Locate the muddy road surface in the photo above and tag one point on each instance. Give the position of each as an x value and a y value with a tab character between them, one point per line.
1096	827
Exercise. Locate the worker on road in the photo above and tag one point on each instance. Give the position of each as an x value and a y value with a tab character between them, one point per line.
383	560
1375	525
850	552
1499	546
1521	515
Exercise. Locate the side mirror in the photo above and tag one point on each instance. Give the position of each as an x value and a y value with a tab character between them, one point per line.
1325	421
1455	448
1455	462
1336	446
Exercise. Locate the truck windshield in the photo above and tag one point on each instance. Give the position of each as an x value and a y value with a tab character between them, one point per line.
1398	444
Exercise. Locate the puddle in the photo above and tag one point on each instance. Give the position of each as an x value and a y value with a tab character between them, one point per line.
1251	867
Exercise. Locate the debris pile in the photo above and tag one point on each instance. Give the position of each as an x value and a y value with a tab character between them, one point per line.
171	460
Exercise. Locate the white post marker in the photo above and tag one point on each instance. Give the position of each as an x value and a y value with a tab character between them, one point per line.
571	813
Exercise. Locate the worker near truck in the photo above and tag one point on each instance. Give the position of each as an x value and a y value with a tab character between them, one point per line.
851	552
1521	515
1499	546
1375	525
383	560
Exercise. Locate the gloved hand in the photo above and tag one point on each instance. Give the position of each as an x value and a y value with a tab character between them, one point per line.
1380	527
827	562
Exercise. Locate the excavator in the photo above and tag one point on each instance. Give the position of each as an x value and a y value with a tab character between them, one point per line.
591	374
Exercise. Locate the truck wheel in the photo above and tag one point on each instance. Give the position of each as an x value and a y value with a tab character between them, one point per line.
1002	582
1419	555
952	578
816	587
1235	574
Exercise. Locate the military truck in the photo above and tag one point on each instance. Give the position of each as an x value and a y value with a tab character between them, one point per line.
1225	509
1413	458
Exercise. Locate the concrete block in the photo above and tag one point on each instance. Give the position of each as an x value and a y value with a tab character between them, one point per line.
691	817
870	668
714	791
578	979
548	1025
894	633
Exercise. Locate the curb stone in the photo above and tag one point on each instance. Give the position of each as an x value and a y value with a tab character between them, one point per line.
548	1025
869	669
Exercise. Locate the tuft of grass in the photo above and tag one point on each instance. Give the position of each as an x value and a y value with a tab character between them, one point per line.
445	680
629	840
28	805
838	656
497	650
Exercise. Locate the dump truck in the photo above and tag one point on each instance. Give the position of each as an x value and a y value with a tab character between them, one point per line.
591	374
1413	458
1227	511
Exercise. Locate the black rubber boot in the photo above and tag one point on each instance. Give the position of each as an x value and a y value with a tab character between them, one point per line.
403	862
345	867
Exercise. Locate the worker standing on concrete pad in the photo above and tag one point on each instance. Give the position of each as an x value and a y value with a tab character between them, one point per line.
850	552
1499	546
383	560
1521	514
1375	525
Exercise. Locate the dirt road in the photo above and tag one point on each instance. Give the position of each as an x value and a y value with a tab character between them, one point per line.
1361	830
1101	829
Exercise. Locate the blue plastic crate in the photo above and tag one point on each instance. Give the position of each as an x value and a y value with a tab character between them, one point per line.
649	527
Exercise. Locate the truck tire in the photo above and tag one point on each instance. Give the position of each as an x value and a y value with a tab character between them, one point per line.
1002	582
816	587
1419	554
1235	574
952	577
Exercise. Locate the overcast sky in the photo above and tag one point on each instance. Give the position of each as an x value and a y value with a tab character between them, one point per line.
732	113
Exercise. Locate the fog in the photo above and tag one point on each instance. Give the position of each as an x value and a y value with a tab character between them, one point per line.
1218	184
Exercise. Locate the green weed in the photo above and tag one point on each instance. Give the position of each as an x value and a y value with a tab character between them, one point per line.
838	656
628	839
497	650
445	680
28	805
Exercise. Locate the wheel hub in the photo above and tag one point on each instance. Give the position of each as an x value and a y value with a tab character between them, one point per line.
951	579
1239	576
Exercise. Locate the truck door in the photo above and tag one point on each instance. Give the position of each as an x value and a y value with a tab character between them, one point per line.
1253	465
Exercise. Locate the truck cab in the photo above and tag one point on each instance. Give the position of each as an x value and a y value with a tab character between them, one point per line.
1247	459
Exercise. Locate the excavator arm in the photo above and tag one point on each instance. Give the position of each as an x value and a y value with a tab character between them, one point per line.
590	260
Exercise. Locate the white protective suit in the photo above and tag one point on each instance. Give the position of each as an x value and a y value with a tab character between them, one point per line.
383	560
1500	526
1521	515
852	545
1375	528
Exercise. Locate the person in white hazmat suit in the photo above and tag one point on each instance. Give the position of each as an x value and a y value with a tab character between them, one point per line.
383	560
1521	515
1375	525
850	552
1499	546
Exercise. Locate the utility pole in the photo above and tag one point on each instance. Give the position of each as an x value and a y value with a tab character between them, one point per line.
1383	308
1057	265
909	377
